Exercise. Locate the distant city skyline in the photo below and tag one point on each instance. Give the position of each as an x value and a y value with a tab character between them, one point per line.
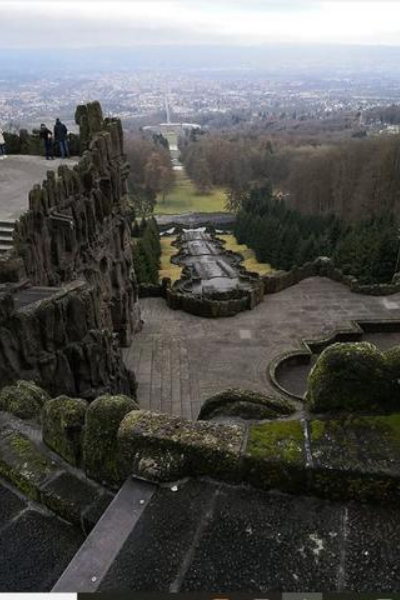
73	23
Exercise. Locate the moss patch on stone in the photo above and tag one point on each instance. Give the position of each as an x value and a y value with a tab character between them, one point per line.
275	456
245	404
23	464
282	440
100	447
24	399
165	448
350	377
63	423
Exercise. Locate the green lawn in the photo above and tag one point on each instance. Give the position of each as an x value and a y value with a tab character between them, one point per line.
184	198
250	262
168	269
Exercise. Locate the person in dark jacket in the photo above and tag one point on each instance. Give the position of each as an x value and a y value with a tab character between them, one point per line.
47	137
60	135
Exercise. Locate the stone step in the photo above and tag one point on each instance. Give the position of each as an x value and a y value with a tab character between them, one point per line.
6	236
6	241
6	232
9	225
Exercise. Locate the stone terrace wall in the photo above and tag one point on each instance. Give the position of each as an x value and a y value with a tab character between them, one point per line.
76	225
59	343
324	267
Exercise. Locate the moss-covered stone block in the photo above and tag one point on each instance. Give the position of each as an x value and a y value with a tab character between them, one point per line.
350	377
164	448
69	497
245	404
392	359
275	456
100	447
24	465
63	423
356	457
24	399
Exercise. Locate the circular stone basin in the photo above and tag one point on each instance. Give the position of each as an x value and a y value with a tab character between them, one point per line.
291	372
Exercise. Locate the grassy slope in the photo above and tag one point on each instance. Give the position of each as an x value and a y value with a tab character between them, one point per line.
184	198
250	262
168	269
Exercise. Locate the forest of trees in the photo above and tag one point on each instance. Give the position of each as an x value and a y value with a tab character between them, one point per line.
285	238
232	162
151	172
146	250
349	179
293	203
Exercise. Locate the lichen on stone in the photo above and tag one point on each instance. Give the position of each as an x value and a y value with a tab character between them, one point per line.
356	457
23	464
181	448
63	423
24	399
246	404
100	448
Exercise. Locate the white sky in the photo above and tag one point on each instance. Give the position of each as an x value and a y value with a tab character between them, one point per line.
28	23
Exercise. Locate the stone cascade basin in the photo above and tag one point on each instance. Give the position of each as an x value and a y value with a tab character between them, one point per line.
289	372
212	269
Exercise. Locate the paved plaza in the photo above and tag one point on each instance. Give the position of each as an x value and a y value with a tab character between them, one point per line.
180	359
18	174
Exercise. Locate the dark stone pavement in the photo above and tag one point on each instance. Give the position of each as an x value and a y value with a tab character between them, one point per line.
216	538
35	545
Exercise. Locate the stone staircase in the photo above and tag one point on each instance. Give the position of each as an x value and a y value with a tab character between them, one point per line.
6	236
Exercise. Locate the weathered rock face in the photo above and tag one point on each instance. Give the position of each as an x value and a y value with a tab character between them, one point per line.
76	226
61	344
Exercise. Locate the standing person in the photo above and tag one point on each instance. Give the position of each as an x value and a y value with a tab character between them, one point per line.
47	137
60	135
2	145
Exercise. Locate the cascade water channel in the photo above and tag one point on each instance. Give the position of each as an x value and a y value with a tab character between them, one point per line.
212	268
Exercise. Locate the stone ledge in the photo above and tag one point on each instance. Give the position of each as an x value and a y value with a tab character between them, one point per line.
245	404
160	447
280	455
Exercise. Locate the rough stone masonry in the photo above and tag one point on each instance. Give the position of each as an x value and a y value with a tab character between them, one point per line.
75	230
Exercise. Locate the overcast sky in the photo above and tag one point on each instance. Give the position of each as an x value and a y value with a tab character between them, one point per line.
59	23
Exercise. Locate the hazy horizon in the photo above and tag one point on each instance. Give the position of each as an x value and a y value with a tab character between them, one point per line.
252	23
272	58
